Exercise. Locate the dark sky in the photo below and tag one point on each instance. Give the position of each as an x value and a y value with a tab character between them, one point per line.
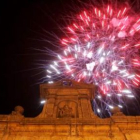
23	24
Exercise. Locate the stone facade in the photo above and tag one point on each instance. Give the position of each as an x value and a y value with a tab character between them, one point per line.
67	115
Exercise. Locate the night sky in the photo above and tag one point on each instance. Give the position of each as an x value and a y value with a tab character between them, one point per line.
23	25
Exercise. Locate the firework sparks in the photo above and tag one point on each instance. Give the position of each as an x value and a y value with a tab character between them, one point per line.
102	48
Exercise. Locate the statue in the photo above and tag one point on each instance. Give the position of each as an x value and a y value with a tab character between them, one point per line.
18	111
65	112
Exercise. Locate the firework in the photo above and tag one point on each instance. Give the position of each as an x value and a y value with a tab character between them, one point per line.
102	48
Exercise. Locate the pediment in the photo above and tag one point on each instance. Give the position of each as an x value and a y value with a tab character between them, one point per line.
66	86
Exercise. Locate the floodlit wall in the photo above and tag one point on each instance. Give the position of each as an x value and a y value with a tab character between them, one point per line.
67	115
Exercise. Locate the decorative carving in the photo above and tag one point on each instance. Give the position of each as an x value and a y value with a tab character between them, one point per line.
67	109
67	83
18	111
65	112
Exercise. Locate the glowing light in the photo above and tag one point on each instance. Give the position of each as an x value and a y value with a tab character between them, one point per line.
101	49
110	106
53	67
76	56
59	57
55	63
120	106
43	101
65	53
102	59
108	95
90	66
120	62
50	82
89	55
88	45
131	76
114	68
99	97
67	67
49	71
126	91
130	96
108	82
48	76
85	73
98	110
122	71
